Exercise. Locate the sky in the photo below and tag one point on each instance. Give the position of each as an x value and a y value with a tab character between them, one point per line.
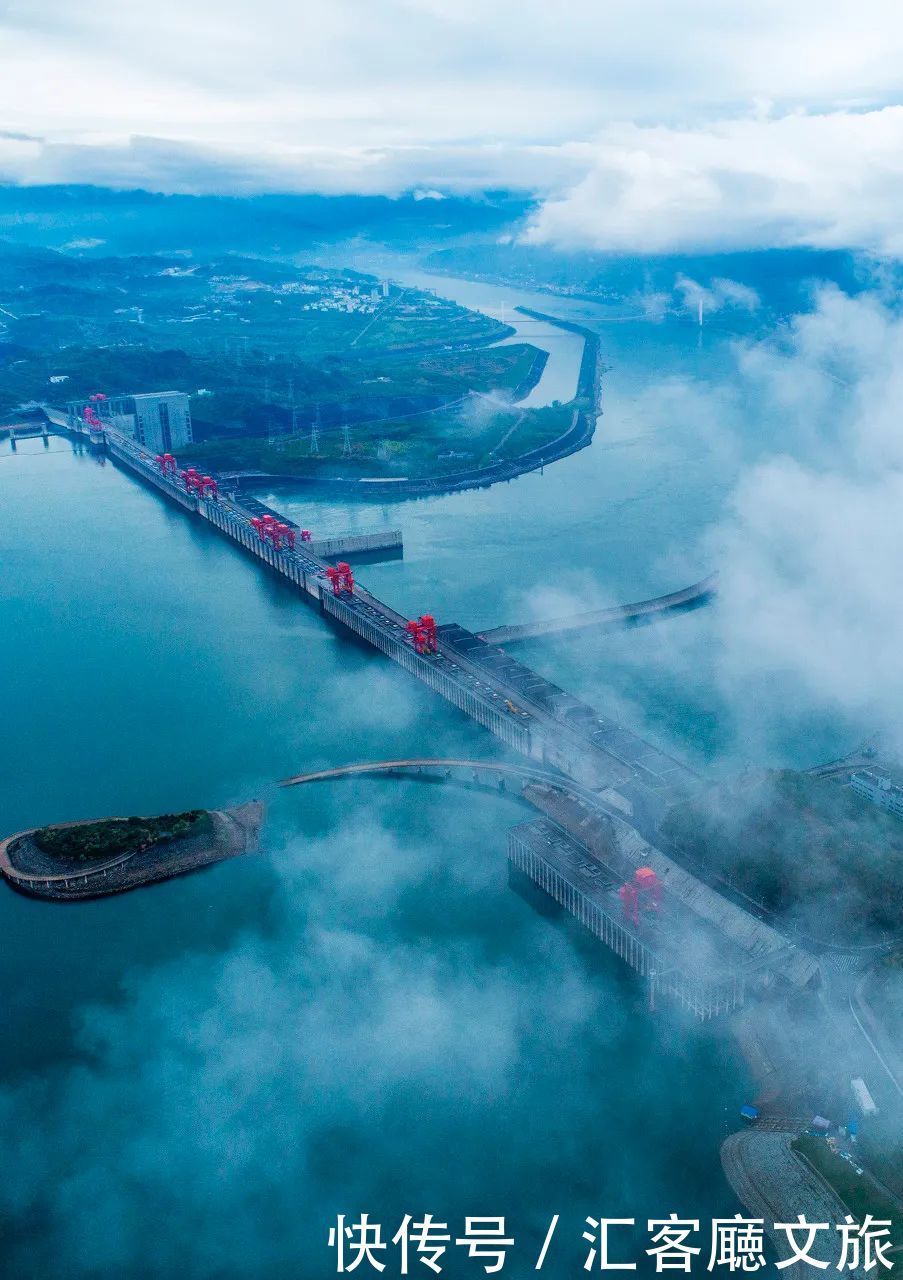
640	125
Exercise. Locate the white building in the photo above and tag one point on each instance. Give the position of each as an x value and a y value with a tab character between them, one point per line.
159	420
879	786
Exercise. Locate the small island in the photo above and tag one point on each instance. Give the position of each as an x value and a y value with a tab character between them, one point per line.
94	858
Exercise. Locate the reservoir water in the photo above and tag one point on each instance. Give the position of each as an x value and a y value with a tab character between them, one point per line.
198	1077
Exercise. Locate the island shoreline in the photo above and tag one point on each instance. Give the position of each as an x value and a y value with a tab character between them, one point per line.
235	831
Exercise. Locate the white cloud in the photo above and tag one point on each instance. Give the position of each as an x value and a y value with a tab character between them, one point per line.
829	180
810	549
799	653
445	97
721	293
324	1060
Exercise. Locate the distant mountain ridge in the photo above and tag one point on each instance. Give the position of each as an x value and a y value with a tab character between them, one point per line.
142	221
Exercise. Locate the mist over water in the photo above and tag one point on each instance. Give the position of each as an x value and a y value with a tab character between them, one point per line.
362	1018
365	1017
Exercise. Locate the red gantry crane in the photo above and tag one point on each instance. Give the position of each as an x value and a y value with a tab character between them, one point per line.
341	578
642	892
89	413
423	633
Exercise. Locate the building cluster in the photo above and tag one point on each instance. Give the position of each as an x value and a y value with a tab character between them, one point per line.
324	294
340	297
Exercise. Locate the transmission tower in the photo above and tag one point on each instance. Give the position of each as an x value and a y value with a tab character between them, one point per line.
346	441
315	433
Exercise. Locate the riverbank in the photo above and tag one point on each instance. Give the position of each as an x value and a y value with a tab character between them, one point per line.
774	1183
27	868
562	294
577	436
531	379
584	408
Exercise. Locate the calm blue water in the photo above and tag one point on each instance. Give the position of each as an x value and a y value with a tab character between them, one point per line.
200	1075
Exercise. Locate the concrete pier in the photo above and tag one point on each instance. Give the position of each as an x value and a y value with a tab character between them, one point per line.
25	431
622	615
371	543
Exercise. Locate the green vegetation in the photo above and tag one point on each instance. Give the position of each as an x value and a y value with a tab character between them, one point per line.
257	394
276	333
857	1191
471	434
267	350
802	846
97	841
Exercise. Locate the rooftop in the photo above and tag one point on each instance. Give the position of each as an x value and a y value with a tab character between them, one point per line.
159	395
707	929
882	775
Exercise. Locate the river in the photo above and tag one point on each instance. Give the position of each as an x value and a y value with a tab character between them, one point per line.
199	1076
565	350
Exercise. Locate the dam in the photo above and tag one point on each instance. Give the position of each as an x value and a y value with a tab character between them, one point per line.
615	776
528	713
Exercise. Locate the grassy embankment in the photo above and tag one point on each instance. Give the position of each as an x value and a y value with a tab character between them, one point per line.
857	1191
481	428
434	443
97	841
377	388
